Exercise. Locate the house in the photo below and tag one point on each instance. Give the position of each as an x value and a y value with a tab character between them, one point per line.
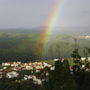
12	74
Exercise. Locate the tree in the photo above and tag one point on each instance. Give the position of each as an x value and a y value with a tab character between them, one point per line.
75	54
60	78
51	52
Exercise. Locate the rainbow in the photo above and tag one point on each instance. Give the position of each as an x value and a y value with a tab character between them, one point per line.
52	20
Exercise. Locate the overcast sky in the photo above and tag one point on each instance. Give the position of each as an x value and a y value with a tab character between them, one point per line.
34	13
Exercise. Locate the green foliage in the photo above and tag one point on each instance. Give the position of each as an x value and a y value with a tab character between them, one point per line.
60	79
75	54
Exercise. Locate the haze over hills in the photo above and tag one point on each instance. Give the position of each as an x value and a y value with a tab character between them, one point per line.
62	30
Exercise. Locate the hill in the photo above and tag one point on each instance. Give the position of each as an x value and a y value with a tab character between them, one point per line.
20	44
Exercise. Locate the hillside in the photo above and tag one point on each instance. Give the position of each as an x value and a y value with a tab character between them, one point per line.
21	45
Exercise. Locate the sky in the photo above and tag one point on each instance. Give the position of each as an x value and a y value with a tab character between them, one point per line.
35	13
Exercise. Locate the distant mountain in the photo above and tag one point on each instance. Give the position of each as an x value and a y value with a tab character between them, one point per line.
56	30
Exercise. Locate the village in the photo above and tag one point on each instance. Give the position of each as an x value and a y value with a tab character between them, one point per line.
12	70
37	71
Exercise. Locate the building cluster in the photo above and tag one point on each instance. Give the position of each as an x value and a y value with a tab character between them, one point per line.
11	70
85	37
37	72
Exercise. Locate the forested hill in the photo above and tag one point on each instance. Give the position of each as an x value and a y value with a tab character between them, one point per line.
20	44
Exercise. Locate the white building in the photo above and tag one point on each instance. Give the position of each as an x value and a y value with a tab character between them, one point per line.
12	74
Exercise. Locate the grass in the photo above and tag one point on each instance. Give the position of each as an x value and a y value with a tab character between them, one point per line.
51	62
